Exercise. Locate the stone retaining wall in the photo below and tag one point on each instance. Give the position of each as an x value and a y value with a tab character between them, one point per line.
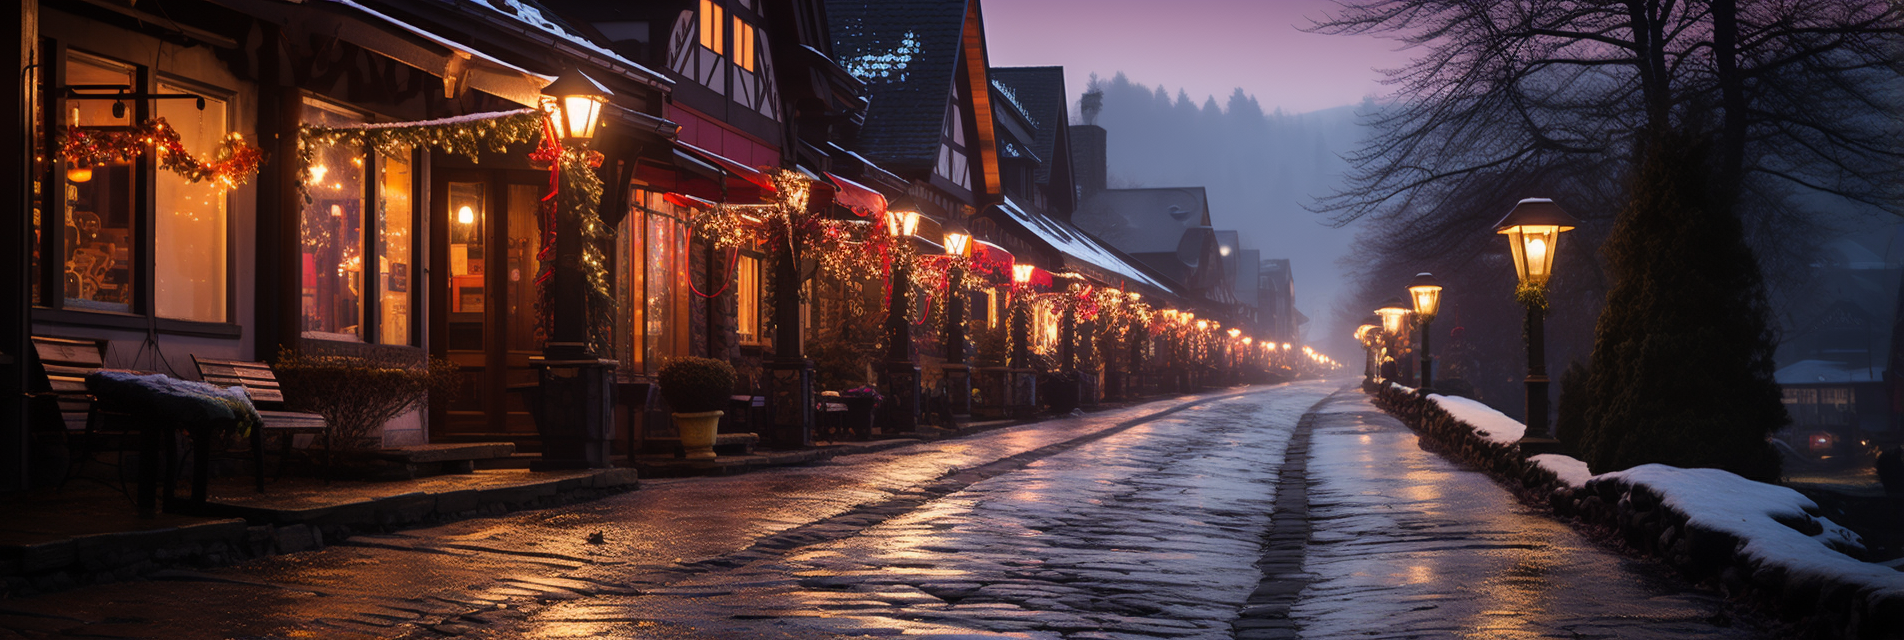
1816	607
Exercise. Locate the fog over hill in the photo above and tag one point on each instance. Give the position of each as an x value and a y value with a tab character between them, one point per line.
1259	169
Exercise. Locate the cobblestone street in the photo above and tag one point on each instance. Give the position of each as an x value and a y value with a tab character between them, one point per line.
1147	521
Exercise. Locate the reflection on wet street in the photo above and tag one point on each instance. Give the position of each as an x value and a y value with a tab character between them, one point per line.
1409	545
1142	522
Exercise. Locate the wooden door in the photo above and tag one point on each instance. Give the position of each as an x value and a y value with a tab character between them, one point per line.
486	245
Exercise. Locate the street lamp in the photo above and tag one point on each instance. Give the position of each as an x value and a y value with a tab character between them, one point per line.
1394	316
900	374
1365	334
1425	291
575	101
958	376
1533	231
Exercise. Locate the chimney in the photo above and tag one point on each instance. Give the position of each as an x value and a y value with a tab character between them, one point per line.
1088	154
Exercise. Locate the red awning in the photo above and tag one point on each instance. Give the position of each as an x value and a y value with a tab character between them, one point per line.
862	200
687	201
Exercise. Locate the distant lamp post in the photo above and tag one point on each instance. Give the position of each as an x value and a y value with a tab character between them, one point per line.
958	376
900	374
1365	334
1425	291
1533	231
1394	314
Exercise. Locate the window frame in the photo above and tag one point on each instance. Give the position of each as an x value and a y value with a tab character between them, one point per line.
370	299
141	314
743	289
230	98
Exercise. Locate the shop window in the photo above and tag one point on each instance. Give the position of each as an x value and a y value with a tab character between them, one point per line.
632	272
189	258
747	294
667	332
396	218
98	214
357	237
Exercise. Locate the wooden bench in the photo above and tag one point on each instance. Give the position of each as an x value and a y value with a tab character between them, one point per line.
261	385
59	396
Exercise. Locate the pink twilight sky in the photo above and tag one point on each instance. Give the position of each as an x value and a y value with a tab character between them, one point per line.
1205	47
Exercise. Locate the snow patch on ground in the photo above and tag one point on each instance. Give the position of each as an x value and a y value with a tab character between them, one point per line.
1569	469
1492	425
1751	511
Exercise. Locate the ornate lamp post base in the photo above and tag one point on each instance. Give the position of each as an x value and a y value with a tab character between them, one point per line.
790	401
958	388
574	409
1024	392
899	382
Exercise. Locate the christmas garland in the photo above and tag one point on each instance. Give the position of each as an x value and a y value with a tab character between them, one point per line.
573	202
233	162
463	135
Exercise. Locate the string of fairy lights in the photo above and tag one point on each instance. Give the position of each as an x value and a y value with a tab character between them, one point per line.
840	248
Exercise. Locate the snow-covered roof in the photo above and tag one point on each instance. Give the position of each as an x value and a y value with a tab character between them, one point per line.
1826	371
532	16
1075	244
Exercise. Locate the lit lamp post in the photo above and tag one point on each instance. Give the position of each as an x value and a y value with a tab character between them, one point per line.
1533	231
1230	358
958	375
1365	334
575	393
900	375
1024	382
1425	292
1394	319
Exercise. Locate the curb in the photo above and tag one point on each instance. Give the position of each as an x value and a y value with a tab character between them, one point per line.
245	532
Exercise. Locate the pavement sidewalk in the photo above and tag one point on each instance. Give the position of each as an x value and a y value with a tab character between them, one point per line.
1391	532
87	533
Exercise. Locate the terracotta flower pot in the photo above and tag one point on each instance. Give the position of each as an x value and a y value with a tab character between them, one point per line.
697	432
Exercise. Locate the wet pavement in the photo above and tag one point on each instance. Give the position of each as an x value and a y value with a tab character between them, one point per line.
1144	522
1409	545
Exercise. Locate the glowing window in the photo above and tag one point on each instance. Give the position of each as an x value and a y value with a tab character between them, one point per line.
747	290
711	24
743	44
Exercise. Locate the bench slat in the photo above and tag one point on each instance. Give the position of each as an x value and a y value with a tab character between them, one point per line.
73	352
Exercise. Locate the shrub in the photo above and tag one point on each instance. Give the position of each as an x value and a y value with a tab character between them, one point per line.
696	385
357	394
1571	411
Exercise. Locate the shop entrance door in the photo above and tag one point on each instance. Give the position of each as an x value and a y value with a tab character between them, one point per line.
485	308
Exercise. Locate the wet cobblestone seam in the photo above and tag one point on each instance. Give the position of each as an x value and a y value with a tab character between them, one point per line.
852	522
1265	615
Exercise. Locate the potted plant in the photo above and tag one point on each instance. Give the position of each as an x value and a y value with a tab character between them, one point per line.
696	389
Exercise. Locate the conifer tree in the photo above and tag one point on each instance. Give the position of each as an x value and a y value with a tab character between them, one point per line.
1682	354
